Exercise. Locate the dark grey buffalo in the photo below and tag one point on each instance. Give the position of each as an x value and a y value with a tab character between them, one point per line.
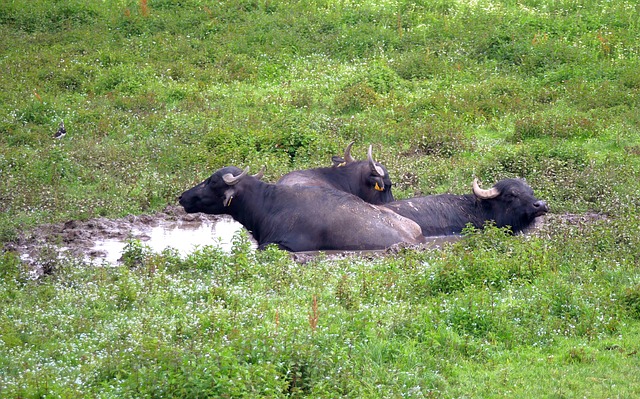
509	203
299	218
368	179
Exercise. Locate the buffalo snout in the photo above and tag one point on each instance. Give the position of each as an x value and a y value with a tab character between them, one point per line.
541	207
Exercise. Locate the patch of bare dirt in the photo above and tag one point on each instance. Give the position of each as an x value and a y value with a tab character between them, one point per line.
549	223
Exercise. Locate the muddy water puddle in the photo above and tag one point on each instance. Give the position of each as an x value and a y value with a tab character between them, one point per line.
102	240
182	236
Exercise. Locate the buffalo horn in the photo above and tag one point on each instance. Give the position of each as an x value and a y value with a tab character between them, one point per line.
484	194
231	180
347	153
374	168
260	174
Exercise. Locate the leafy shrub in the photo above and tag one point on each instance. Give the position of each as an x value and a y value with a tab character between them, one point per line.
355	98
490	258
515	46
472	320
242	256
10	266
123	79
8	233
236	68
41	16
548	53
36	112
47	262
534	162
631	301
580	355
491	99
629	76
440	138
601	95
286	141
346	293
206	258
419	65
302	98
9	334
135	254
168	260
563	126
381	78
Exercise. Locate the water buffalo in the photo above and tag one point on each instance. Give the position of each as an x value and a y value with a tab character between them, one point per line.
509	202
368	179
299	218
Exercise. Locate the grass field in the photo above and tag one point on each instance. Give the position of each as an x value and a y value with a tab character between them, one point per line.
156	95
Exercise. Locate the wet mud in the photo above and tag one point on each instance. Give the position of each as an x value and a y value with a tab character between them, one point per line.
102	240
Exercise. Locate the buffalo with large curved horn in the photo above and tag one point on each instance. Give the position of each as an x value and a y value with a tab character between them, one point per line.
346	159
509	203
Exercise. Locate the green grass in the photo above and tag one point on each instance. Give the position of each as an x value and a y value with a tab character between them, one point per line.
492	315
155	99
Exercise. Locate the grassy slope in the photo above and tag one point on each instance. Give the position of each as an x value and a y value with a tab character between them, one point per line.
155	99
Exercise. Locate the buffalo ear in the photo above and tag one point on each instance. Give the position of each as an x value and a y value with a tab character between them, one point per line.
338	161
228	196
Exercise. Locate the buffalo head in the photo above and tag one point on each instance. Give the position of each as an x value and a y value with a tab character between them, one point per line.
510	202
216	193
365	179
376	177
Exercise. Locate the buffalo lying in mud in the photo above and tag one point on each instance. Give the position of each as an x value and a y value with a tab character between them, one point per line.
509	202
299	218
368	179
